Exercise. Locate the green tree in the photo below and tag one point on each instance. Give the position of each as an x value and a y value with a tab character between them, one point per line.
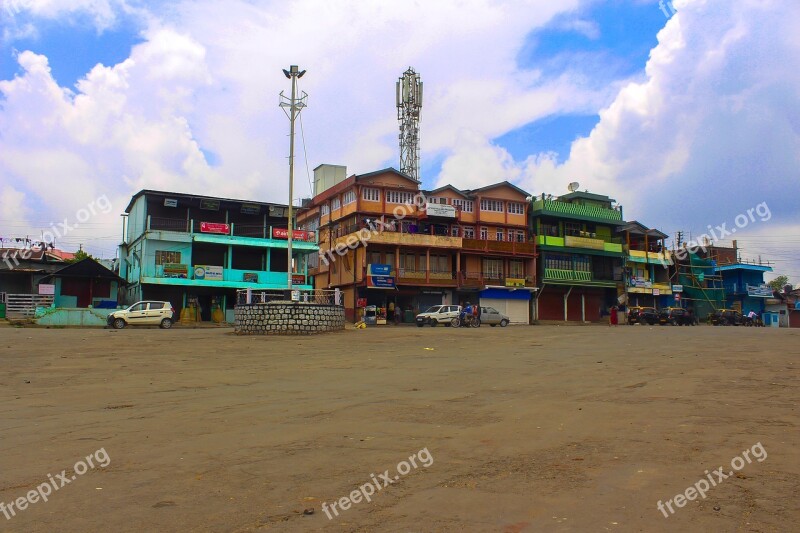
778	283
80	255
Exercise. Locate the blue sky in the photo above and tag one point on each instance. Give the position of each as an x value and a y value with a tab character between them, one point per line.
614	95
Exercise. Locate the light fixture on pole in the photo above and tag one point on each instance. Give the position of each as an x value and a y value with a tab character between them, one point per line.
294	104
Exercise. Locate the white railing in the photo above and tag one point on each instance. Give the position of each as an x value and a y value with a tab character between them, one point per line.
24	305
318	296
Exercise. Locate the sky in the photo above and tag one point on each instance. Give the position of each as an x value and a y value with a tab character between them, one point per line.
685	112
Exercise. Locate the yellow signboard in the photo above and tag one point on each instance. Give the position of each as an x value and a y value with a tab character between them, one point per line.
515	282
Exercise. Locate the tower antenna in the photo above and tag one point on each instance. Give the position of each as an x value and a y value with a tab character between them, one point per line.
409	104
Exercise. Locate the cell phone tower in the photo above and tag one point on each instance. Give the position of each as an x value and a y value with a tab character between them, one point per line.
409	104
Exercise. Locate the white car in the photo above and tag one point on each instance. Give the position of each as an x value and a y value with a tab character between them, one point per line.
438	314
147	313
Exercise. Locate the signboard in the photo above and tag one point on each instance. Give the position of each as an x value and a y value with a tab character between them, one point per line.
170	202
250	277
656	292
208	272
374	269
298	279
515	282
297	235
440	210
677	288
380	282
215	227
176	270
251	209
641	283
361	302
759	291
295	296
211	205
584	242
47	289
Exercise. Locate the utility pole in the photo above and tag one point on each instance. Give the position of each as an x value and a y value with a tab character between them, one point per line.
295	105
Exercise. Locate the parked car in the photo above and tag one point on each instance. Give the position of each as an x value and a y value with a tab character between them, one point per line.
438	314
493	317
727	317
642	315
148	313
677	316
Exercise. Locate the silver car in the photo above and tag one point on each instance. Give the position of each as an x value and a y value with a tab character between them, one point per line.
493	317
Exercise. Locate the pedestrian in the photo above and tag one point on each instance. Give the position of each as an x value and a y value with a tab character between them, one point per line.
476	312
613	317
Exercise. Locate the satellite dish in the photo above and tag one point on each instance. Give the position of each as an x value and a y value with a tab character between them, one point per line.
573	186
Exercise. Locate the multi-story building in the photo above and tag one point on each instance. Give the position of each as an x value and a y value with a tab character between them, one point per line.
402	248
743	281
198	250
581	259
647	266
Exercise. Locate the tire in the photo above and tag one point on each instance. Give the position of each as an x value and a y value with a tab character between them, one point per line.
455	322
420	324
475	323
166	323
433	323
119	323
503	323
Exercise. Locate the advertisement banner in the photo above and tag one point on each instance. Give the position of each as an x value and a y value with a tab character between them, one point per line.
215	227
375	269
297	235
208	272
176	270
380	282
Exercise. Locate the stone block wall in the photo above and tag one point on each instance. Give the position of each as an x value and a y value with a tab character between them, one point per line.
287	318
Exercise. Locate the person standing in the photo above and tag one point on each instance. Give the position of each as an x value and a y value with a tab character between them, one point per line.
476	312
613	319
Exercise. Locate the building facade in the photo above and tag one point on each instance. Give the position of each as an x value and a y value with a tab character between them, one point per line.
196	251
647	266
392	247
581	258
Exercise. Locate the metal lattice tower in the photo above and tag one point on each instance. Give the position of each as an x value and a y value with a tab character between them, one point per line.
409	104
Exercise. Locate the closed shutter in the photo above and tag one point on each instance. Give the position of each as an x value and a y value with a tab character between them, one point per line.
518	311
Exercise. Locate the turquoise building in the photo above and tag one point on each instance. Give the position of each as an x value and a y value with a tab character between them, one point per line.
196	251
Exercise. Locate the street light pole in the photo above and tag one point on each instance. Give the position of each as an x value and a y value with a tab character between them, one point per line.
295	105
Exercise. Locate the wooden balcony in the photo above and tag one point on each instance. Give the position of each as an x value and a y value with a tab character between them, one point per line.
500	247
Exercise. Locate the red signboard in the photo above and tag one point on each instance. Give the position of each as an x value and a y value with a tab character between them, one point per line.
215	227
361	302
298	279
283	233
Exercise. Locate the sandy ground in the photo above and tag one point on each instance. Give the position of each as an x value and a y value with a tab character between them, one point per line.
542	428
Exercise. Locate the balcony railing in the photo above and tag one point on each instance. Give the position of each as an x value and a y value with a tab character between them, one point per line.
576	241
509	247
257	231
557	274
480	279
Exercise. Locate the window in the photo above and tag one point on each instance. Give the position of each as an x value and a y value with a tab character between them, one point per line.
139	307
164	257
493	268
499	235
371	194
492	205
399	197
572	228
454	231
516	269
335	204
439	263
520	236
325	210
463	205
349	197
484	233
408	262
510	236
516	208
469	233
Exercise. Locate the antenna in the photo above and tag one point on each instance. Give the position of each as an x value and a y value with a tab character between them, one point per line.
408	96
573	186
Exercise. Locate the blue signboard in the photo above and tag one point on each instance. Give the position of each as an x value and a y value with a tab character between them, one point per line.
379	270
380	282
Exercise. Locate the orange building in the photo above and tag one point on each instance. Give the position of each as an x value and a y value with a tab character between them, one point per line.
386	243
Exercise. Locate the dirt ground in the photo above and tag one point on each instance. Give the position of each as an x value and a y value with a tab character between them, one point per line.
541	428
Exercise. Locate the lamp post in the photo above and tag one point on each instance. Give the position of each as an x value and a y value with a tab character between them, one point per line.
294	104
